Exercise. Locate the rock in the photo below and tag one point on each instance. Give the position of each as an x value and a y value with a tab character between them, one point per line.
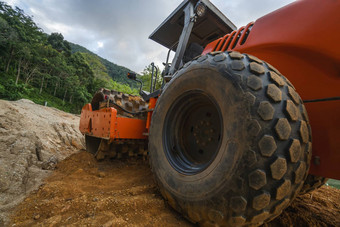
50	164
79	171
4	180
36	217
26	101
100	155
101	174
76	144
108	224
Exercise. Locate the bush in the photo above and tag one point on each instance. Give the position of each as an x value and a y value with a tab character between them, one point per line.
9	90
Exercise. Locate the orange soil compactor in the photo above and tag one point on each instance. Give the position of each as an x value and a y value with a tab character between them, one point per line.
230	131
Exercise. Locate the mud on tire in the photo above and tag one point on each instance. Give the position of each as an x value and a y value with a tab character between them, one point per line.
312	183
247	163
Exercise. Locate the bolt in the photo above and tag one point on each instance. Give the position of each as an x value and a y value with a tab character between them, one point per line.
197	141
210	139
317	160
195	134
202	122
211	130
208	123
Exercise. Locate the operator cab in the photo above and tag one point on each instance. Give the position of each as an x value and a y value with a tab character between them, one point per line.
188	29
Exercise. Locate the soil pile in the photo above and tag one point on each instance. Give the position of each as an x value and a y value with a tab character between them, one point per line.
33	138
84	192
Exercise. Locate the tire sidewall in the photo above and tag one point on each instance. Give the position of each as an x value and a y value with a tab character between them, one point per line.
223	88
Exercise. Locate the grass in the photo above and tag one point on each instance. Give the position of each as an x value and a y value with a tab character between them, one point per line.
33	94
333	183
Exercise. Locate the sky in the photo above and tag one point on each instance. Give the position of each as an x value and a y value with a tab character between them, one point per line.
118	30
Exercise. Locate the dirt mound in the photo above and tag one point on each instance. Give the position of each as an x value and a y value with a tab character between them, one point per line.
83	192
33	138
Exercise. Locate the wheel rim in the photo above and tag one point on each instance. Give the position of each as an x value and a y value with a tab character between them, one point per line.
192	132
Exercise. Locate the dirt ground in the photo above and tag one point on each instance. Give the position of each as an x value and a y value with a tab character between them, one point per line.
33	139
84	192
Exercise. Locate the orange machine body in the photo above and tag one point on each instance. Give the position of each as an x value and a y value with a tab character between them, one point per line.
152	104
106	124
302	40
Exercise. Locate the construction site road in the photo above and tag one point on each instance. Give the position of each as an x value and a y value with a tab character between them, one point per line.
85	192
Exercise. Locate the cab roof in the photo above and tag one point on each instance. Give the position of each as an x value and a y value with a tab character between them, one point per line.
211	26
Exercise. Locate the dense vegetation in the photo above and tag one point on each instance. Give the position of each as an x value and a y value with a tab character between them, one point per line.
108	69
44	67
113	70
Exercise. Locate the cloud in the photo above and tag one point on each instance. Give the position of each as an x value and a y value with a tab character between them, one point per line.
12	2
118	30
100	44
241	12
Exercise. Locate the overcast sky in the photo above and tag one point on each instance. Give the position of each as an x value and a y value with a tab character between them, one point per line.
118	30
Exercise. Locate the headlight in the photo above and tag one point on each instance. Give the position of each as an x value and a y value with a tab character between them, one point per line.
200	9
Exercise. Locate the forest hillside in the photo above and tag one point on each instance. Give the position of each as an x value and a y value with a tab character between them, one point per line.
48	69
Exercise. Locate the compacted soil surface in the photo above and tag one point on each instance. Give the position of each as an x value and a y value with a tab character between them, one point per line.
85	192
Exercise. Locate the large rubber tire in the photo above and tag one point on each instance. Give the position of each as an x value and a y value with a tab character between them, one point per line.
229	142
312	183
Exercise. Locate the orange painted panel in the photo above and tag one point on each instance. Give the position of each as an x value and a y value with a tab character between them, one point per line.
99	123
105	123
130	128
152	104
326	147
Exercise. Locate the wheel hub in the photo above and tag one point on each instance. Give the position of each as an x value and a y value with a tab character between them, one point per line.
204	133
193	132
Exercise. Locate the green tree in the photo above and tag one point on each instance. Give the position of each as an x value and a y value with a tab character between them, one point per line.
57	42
146	78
